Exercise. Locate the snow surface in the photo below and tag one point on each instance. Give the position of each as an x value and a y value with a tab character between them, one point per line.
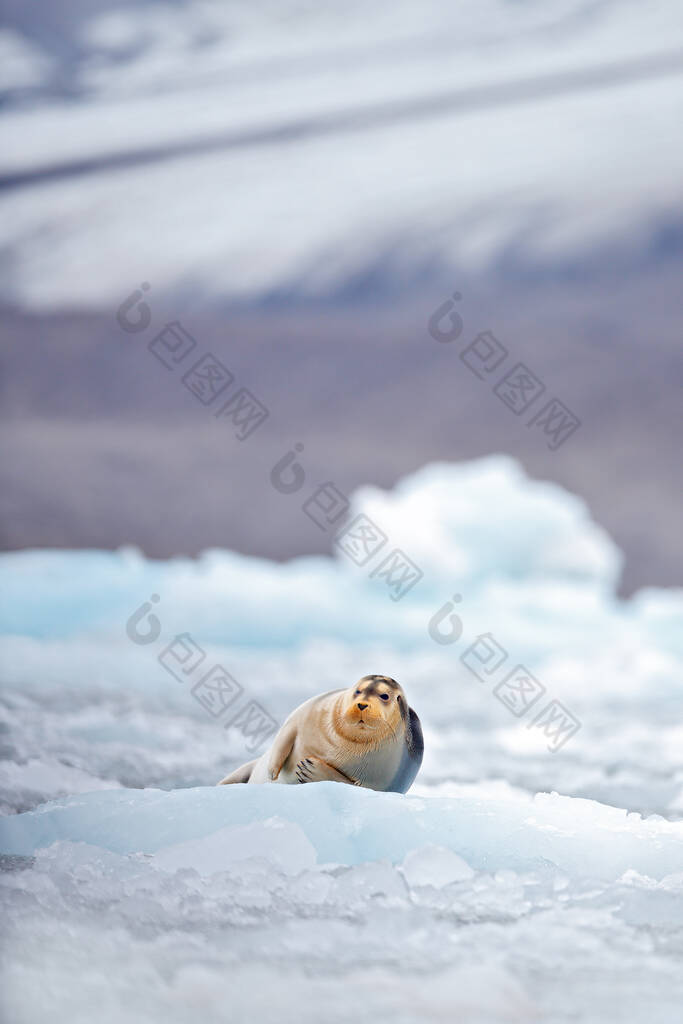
144	892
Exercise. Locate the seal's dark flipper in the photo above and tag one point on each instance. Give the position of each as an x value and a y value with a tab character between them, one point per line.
412	755
242	774
416	743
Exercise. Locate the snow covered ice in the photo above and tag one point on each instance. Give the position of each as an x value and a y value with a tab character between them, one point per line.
512	883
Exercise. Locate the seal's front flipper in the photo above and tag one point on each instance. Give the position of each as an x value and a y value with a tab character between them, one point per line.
312	769
281	748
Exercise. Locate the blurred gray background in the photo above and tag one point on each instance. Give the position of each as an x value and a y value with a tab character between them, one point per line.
302	186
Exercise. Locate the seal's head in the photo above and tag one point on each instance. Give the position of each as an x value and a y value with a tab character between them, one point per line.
373	709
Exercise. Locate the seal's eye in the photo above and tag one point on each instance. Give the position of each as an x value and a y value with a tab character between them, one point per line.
356	694
384	696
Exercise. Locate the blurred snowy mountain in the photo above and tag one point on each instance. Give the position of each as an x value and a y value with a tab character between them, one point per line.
252	151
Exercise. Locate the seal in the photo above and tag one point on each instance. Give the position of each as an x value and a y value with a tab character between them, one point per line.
364	736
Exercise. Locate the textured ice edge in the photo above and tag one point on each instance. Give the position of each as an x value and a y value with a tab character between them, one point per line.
331	823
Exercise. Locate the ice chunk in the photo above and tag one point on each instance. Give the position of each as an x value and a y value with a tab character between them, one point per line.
280	842
436	866
345	825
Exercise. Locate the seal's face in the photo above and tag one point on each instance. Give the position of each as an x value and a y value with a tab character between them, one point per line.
373	706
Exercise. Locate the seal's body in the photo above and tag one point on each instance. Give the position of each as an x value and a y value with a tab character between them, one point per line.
366	736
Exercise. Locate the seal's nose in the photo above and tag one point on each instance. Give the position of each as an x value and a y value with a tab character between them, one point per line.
361	707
